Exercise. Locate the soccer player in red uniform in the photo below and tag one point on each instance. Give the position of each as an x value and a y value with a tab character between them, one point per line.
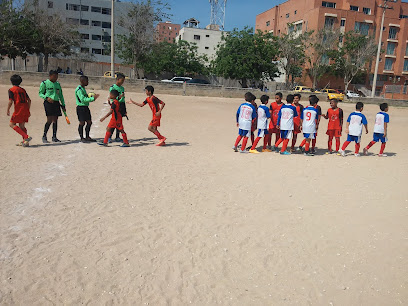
335	126
22	103
296	120
116	120
156	105
274	109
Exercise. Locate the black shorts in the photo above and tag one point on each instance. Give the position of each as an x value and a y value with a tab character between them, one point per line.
52	109
84	114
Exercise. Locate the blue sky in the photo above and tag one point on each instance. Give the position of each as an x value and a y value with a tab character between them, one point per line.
239	13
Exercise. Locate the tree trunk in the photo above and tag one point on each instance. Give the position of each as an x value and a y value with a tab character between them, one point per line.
314	82
244	83
46	61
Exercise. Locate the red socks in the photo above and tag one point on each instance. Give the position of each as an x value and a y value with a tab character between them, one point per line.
107	136
278	142
330	143
337	143
21	132
357	148
158	135
307	146
125	140
244	143
277	138
313	143
294	141
255	142
303	143
265	142
269	138
370	145
252	138
382	148
237	141
285	145
345	144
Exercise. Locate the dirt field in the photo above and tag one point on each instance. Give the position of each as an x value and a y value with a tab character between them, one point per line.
194	222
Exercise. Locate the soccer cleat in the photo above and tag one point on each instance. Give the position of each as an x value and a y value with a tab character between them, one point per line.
163	140
300	149
20	144
308	154
118	139
243	151
342	153
356	155
125	145
382	155
28	139
102	144
365	151
292	150
160	144
254	151
44	139
313	151
90	139
110	140
83	140
235	149
285	153
266	150
55	139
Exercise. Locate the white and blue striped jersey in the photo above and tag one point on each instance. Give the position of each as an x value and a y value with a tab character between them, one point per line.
245	114
380	119
310	115
263	116
285	117
356	120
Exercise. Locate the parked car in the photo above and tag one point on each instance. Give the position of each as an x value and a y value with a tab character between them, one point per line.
108	74
351	94
305	89
177	80
197	81
333	94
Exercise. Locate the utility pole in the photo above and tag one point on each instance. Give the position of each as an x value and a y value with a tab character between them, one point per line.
113	39
377	61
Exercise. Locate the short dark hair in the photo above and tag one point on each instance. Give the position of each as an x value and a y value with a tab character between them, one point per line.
83	77
297	95
53	72
249	97
289	98
359	105
264	98
313	99
120	75
149	88
279	94
16	80
115	93
383	106
334	100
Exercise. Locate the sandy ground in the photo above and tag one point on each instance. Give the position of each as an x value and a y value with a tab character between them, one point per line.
194	222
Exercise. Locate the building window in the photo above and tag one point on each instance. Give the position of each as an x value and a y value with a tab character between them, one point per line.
207	48
343	22
362	28
291	28
106	25
50	4
71	7
85	36
96	37
84	50
392	34
96	9
406	50
328	4
73	21
268	23
405	65
106	11
328	23
403	16
207	35
197	37
287	15
96	51
388	64
391	48
366	10
341	39
106	38
96	23
84	8
325	59
106	52
84	22
295	12
353	8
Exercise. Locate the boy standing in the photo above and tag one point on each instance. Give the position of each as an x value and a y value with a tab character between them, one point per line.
83	112
246	113
380	130
310	117
116	120
285	124
51	93
263	116
274	109
120	79
296	120
319	113
22	104
354	129
335	126
156	105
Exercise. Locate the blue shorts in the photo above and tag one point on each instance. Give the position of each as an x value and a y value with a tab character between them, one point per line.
357	139
284	134
244	133
262	132
309	135
377	137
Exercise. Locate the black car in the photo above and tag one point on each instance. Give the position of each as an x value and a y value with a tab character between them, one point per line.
197	81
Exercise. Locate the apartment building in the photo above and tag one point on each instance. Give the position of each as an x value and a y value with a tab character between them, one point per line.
363	16
167	31
92	19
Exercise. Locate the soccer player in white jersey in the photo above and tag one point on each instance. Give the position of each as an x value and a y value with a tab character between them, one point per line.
245	115
263	116
380	130
354	129
310	117
285	124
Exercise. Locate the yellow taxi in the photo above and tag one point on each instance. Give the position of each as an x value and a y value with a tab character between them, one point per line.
305	89
108	74
333	94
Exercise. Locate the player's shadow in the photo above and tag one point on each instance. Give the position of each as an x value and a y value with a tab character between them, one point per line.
389	154
176	144
52	144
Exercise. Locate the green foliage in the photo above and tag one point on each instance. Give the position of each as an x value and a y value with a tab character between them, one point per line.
245	55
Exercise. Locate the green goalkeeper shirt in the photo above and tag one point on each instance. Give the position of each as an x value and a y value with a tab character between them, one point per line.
51	90
121	90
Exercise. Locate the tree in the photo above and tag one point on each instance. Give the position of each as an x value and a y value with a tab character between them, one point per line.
180	58
352	57
245	55
140	25
318	47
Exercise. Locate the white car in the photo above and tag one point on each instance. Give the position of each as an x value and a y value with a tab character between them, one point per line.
350	94
177	80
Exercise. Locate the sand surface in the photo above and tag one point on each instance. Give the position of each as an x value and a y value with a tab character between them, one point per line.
194	222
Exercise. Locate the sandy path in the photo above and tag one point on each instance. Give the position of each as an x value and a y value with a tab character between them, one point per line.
194	222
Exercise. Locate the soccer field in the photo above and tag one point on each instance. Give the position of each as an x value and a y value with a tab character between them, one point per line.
193	221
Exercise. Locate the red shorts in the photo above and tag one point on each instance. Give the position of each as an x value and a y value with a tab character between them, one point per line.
274	130
155	121
296	129
334	133
115	124
20	117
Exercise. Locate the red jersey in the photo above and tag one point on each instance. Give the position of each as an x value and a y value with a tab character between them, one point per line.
299	110
116	120
154	103
335	117
275	108
21	108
